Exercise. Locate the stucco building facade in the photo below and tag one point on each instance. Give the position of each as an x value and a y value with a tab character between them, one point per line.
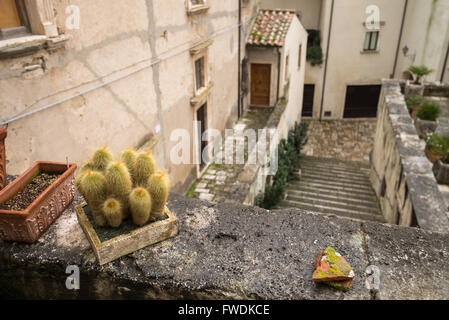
78	75
357	56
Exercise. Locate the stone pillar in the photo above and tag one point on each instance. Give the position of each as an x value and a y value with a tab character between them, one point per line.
3	134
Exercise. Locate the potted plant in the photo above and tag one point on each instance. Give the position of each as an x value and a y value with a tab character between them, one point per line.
437	150
33	201
413	103
426	118
416	88
419	72
3	134
125	207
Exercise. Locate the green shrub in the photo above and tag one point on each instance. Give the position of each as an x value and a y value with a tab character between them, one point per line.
315	55
314	52
414	101
419	72
289	152
429	111
440	145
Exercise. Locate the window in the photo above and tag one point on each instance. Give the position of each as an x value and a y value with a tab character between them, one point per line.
20	18
195	6
299	56
286	68
197	2
13	18
371	39
199	73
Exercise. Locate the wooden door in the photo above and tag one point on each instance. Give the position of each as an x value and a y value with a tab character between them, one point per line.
307	105
260	84
9	16
362	101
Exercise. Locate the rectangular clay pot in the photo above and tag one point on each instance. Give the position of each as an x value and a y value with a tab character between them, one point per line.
28	225
126	243
3	134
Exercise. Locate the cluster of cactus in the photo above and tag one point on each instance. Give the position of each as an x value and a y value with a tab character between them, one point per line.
116	190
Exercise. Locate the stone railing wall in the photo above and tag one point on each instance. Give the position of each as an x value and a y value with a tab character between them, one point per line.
252	180
231	251
400	171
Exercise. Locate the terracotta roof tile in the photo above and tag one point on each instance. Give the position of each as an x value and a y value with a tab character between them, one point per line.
270	27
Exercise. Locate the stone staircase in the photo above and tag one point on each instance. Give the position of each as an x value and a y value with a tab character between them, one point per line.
333	186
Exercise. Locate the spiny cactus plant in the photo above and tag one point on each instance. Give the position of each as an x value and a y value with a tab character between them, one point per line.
93	185
113	213
101	159
140	206
85	168
128	157
158	186
116	190
143	169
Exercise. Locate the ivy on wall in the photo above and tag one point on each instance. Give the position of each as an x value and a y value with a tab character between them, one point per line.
314	51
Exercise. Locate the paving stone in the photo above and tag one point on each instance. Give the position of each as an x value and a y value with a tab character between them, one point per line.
206	196
209	177
201	190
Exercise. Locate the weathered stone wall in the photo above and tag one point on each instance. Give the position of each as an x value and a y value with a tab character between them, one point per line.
231	251
400	171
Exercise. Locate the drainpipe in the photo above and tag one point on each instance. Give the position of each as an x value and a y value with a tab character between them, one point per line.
399	40
239	102
279	75
443	72
327	57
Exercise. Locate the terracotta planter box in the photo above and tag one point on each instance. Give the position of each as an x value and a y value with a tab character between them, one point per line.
30	224
441	172
3	134
431	155
110	244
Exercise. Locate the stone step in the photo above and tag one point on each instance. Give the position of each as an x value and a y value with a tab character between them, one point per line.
345	163
331	191
334	185
334	169
331	179
368	202
339	174
329	210
333	204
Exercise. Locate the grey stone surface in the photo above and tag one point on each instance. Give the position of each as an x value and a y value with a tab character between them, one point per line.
231	251
400	172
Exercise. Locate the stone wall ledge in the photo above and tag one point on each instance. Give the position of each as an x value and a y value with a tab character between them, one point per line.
232	251
399	156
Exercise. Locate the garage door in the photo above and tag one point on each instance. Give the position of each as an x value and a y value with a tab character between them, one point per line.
362	101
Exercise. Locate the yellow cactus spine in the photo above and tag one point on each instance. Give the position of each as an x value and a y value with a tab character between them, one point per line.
145	166
140	206
159	188
112	210
101	159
